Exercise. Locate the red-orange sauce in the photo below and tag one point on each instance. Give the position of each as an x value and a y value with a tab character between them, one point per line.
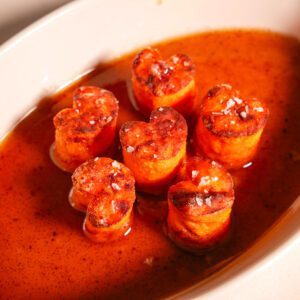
44	253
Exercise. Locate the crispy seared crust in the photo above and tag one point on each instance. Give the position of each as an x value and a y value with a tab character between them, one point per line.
162	138
200	205
106	188
229	128
154	151
204	187
186	197
225	114
81	130
163	83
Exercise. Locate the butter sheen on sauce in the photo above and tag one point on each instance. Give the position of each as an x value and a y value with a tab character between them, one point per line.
44	253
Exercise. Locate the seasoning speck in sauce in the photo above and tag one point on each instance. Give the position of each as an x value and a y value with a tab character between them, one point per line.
44	251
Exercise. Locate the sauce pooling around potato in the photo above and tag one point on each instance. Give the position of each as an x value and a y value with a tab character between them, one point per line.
44	251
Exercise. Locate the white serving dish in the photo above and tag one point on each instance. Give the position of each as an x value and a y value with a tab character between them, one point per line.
67	43
16	14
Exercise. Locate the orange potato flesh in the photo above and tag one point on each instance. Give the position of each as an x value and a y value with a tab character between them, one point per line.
229	128
110	233
154	151
85	130
105	189
159	83
200	206
201	235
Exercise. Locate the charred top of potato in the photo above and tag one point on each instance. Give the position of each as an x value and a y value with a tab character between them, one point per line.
161	138
204	187
224	113
162	77
110	185
93	109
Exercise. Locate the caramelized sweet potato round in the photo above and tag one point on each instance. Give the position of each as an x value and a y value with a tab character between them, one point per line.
105	189
85	130
229	128
154	150
107	181
163	83
200	205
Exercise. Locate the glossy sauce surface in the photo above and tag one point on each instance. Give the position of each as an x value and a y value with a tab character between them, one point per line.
44	253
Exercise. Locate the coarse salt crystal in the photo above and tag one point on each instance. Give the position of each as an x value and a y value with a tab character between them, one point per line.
103	222
115	186
243	114
155	70
186	63
238	100
175	59
109	119
194	173
208	201
259	109
128	231
204	180
92	122
129	149
115	164
166	71
247	165
199	200
230	103
149	261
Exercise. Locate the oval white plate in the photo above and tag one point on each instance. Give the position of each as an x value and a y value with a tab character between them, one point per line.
67	43
15	15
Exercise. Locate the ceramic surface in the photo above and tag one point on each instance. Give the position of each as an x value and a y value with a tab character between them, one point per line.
67	43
